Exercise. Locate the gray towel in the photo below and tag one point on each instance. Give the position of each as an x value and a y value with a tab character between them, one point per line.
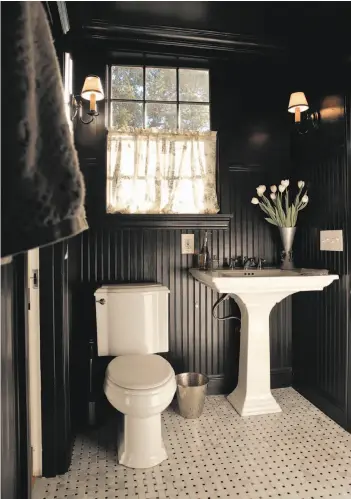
42	186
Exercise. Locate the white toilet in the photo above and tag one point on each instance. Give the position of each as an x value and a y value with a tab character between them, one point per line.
132	324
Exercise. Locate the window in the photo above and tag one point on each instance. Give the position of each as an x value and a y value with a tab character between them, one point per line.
67	86
163	98
161	154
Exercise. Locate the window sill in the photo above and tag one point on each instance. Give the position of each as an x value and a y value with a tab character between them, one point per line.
217	221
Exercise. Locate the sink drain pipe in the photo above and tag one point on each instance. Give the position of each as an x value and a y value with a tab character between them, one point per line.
218	302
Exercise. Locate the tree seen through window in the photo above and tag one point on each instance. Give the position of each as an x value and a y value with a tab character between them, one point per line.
164	98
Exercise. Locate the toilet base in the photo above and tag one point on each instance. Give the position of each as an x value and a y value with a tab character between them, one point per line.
141	444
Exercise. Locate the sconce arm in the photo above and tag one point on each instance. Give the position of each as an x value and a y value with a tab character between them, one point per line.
77	105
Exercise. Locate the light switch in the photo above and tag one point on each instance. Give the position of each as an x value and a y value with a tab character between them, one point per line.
187	244
331	240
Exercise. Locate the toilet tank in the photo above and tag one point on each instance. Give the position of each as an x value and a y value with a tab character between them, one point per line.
132	319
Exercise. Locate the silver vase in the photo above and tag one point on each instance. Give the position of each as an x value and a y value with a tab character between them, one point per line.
287	235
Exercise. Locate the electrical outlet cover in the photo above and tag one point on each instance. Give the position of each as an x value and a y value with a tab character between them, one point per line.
331	240
187	244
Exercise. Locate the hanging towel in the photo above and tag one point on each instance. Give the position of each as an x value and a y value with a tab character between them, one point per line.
42	186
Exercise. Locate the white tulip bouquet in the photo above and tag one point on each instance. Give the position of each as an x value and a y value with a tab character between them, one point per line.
277	208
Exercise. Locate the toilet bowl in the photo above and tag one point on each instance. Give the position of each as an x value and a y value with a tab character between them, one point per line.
141	387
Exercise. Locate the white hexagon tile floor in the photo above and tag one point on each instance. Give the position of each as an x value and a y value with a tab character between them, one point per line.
298	454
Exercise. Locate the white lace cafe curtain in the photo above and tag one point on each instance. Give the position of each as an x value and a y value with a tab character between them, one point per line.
157	171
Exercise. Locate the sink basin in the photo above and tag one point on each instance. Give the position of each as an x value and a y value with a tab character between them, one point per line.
285	282
256	292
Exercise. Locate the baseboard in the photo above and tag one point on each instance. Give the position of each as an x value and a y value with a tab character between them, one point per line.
218	384
281	377
333	411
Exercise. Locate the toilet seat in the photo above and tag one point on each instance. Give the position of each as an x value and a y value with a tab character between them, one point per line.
139	372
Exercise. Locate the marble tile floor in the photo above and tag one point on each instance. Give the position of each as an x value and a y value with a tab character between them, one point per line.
298	454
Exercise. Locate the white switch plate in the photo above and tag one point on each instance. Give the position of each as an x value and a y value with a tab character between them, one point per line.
187	244
331	240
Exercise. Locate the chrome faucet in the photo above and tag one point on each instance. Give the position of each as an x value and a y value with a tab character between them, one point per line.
234	263
250	263
261	261
246	263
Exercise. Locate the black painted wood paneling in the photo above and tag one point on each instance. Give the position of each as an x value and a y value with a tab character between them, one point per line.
197	342
321	324
8	387
15	441
24	477
178	221
55	359
348	159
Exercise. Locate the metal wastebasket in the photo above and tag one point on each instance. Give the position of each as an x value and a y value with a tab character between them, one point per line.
191	394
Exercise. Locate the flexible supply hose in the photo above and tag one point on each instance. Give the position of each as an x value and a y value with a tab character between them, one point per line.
218	302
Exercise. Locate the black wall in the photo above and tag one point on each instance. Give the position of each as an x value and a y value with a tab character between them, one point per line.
8	389
321	320
15	444
55	359
248	109
251	81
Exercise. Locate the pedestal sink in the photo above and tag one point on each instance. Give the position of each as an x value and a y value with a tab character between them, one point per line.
256	292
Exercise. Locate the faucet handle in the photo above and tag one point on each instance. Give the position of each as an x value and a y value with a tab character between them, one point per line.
260	263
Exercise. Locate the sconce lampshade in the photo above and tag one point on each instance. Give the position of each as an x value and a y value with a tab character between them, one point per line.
297	99
92	85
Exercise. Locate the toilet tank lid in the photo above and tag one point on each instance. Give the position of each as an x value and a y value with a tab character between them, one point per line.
139	287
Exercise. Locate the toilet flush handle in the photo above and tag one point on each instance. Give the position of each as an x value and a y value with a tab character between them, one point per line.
102	301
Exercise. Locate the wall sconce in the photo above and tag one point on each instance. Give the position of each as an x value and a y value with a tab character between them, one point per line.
92	91
298	104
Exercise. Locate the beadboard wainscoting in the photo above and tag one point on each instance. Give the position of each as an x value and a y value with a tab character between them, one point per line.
321	321
197	341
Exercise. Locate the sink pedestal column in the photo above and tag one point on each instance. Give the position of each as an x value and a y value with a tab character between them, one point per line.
253	396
